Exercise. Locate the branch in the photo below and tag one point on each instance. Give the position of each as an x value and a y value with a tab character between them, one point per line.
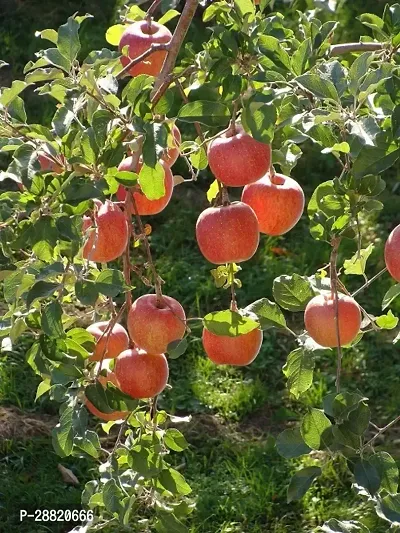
381	431
366	285
152	9
155	47
181	29
348	48
334	292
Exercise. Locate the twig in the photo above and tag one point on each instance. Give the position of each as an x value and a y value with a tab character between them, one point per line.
234	306
175	44
381	431
335	297
348	48
366	285
107	332
152	9
155	47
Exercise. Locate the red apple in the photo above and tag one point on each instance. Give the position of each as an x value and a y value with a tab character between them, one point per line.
141	375
238	351
237	160
228	234
320	320
392	253
139	36
109	236
48	165
143	204
115	415
153	327
278	202
109	345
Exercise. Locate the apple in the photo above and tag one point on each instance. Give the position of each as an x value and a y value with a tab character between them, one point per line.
152	326
320	320
48	165
238	159
109	345
109	236
238	351
143	204
115	415
392	253
141	375
172	153
228	234
278	202
139	37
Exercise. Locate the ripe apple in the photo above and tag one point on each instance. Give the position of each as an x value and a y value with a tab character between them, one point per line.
143	204
320	320
392	253
141	375
109	236
228	234
109	345
139	36
152	327
172	152
238	159
48	165
115	415
278	202
238	351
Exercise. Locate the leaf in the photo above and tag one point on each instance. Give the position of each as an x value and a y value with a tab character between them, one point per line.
41	289
391	294
169	15
244	7
177	348
110	282
68	39
229	323
260	119
213	191
373	160
358	70
208	113
314	429
62	121
300	57
44	74
387	469
366	476
86	292
155	143
292	292
290	444
334	526
268	313
174	482
96	394
54	57
356	265
168	523
8	94
388	508
174	440
48	34
388	321
337	147
67	475
89	443
272	48
112	496
301	482
318	86
114	34
43	387
299	370
51	320
152	182
62	434
100	122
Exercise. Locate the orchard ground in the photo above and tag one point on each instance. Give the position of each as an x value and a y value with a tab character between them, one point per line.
231	464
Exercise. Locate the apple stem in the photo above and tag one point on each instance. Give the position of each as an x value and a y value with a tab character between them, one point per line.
162	82
334	293
152	9
234	306
224	196
272	174
232	124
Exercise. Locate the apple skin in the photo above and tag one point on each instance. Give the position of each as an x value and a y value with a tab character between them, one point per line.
143	204
228	234
141	375
109	237
392	253
278	201
237	160
237	351
153	328
320	320
48	165
119	340
116	415
139	36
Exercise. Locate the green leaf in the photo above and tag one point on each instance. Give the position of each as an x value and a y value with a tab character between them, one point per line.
136	87
48	34
62	121
110	282
301	482
300	57
51	320
168	523
391	294
54	57
337	147
356	265
318	86
341	405
8	95
174	482
388	321
358	70
299	370
63	434
155	143
151	181
213	191
244	7
89	443
96	394
387	469
373	160
177	348
260	119
315	428
290	444
169	15
229	323
334	526
68	39
268	313
174	440
100	122
388	508
41	289
86	292
366	476
272	48
292	292
208	113
43	387
114	34
112	496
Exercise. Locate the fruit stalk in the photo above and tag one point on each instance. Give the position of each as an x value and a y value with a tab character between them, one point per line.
108	330
334	292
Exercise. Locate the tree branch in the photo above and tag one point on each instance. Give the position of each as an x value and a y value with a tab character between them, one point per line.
335	297
348	48
381	431
368	283
155	47
181	29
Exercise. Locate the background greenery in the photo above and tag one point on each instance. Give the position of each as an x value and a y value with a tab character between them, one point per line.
231	464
